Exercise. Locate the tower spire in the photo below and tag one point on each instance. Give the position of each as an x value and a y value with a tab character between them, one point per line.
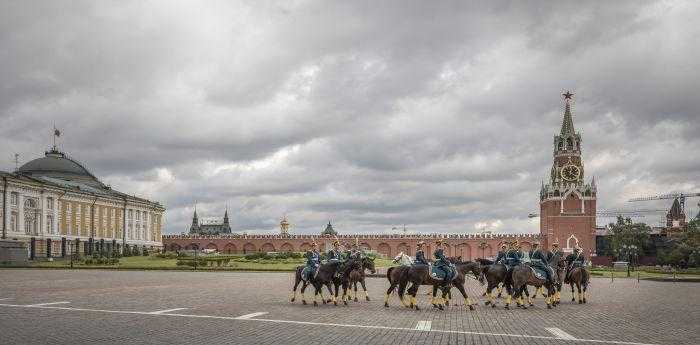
567	126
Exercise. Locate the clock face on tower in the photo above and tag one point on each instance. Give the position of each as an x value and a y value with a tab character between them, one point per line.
570	172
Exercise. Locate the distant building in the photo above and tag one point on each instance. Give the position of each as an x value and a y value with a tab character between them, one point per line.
58	207
210	226
675	218
329	231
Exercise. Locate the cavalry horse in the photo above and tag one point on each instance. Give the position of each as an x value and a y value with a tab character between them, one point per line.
580	277
419	275
354	275
523	276
393	274
495	275
324	277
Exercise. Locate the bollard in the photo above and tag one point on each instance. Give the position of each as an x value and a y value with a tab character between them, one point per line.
612	276
637	276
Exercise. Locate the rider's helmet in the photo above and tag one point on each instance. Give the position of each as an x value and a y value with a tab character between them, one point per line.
314	244
504	245
420	244
555	245
516	244
577	249
535	244
440	242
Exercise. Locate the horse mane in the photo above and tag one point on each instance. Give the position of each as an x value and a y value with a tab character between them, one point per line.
484	262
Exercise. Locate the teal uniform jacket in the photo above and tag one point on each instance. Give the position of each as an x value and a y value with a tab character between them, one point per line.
539	258
575	260
313	259
501	256
440	259
420	258
513	257
334	255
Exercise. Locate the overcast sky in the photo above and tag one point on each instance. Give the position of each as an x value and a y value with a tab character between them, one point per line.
371	114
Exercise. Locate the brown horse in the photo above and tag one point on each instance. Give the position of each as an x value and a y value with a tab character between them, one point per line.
393	274
580	277
418	275
357	275
522	276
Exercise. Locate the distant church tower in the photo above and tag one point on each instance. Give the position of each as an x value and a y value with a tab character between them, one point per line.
567	202
194	228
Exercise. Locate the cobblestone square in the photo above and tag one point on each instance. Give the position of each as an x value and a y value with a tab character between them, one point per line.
149	307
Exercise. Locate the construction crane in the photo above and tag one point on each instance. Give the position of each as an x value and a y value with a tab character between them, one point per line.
680	196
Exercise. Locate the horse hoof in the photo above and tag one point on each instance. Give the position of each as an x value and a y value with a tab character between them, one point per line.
487	302
584	300
471	307
415	306
315	304
499	296
441	307
524	306
303	302
324	301
291	300
386	304
507	307
345	302
367	298
447	303
493	305
335	302
573	300
355	299
549	306
435	306
580	302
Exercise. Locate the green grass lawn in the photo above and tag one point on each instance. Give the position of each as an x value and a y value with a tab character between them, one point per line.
153	262
606	273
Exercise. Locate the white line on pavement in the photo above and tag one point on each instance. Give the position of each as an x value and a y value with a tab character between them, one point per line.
3	299
45	304
560	334
423	325
322	324
250	316
166	311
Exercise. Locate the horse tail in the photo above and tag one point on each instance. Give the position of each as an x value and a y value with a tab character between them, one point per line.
388	274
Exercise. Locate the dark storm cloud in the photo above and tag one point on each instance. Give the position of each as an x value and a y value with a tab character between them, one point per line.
372	114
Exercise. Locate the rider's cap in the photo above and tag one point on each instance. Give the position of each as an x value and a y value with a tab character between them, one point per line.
420	243
504	244
314	243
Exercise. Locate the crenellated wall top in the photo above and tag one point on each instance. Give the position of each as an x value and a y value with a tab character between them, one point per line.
355	236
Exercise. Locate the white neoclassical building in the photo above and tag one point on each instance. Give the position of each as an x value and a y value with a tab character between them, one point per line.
56	206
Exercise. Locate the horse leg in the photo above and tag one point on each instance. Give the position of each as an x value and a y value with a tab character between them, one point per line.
354	291
364	287
572	291
467	301
433	300
330	291
529	299
303	288
317	289
500	289
388	292
400	290
294	290
509	296
579	294
585	287
412	291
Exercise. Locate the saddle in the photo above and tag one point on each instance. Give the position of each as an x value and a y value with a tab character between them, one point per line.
438	272
539	272
307	273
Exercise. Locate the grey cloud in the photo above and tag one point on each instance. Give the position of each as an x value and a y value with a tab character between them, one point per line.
372	114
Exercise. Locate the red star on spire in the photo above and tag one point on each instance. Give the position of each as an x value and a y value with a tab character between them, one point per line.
567	95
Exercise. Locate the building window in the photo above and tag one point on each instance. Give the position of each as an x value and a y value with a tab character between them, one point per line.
49	203
49	224
13	222
14	198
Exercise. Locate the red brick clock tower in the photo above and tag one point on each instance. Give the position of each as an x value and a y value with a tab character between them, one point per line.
567	203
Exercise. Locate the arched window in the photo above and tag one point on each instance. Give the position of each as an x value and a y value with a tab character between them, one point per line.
569	144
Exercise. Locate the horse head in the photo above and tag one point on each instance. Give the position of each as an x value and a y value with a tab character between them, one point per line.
368	264
398	257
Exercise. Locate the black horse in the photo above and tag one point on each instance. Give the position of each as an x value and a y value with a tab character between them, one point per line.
418	275
324	277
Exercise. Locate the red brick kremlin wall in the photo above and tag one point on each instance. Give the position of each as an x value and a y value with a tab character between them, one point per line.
468	246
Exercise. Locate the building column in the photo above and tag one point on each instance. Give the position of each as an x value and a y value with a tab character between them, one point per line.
20	213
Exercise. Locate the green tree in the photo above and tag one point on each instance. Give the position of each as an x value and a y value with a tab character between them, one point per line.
624	234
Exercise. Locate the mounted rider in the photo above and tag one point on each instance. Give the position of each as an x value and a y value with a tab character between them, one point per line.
334	254
514	257
420	255
313	261
573	260
555	251
441	262
538	259
355	252
502	253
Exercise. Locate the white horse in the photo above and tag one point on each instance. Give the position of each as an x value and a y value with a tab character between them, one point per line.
403	259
